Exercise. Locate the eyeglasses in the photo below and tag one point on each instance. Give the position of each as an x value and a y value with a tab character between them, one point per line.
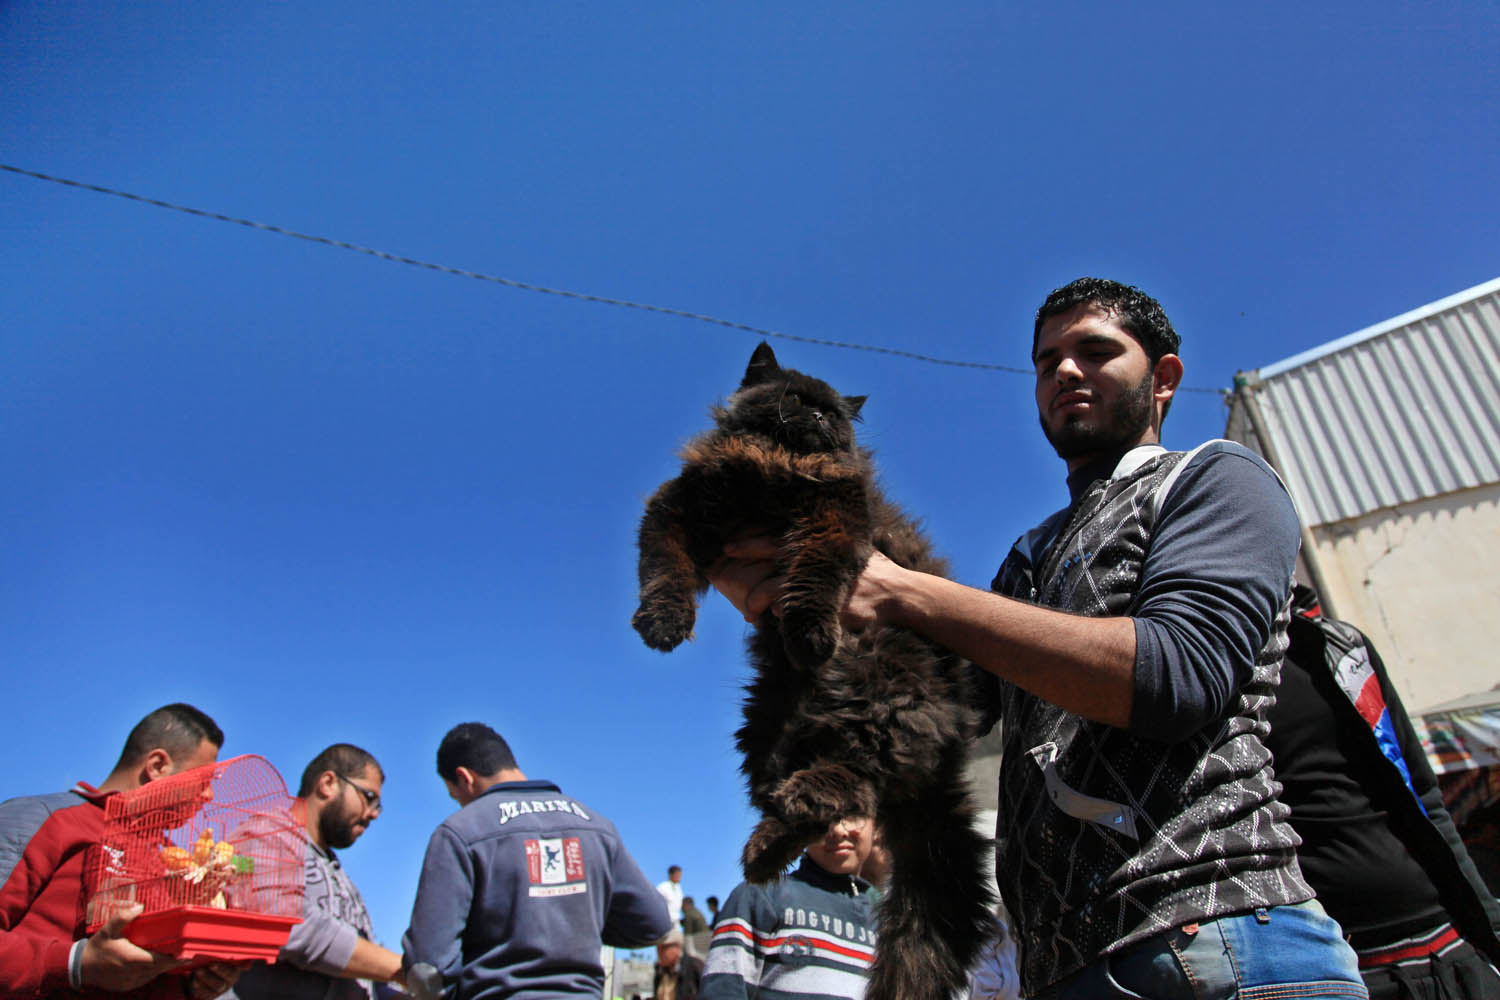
371	797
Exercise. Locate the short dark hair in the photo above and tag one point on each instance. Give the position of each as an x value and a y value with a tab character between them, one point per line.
475	746
1138	314
177	728
344	759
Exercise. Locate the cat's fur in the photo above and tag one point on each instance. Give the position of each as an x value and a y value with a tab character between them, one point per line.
872	723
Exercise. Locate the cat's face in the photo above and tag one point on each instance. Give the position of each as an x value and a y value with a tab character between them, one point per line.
797	411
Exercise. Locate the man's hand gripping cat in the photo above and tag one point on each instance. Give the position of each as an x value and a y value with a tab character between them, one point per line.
745	576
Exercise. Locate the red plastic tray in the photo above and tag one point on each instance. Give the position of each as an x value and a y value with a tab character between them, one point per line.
203	932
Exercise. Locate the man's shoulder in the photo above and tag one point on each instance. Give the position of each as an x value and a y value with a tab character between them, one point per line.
46	829
747	894
48	801
25	814
1220	467
278	822
1226	457
528	806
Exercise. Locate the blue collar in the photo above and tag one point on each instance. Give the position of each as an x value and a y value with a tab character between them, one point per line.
529	785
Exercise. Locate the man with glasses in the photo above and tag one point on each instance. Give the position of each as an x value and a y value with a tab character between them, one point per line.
330	954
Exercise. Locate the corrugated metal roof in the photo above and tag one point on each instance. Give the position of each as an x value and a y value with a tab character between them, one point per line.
1405	410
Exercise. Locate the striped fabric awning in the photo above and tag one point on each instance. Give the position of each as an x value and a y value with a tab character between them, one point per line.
1462	735
1462	742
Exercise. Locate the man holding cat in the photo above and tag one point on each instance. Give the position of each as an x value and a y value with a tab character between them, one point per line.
1136	636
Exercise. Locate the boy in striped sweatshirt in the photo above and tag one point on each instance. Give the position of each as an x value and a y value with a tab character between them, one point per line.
809	936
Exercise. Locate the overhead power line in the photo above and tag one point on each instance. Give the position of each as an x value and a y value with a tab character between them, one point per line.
523	285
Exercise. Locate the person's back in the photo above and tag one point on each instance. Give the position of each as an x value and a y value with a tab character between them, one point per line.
544	868
520	887
22	817
695	929
1378	845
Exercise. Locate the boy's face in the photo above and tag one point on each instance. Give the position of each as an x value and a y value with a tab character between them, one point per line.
845	846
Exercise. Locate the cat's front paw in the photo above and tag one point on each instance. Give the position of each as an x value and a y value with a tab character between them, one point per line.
809	638
768	852
664	628
816	796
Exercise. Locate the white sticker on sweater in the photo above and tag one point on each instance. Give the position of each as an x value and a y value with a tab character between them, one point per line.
555	866
1111	815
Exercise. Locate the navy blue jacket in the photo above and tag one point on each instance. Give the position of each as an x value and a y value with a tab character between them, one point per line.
518	891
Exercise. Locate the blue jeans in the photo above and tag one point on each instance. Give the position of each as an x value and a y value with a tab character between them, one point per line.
1282	953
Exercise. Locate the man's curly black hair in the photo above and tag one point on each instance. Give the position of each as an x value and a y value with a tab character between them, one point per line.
1138	314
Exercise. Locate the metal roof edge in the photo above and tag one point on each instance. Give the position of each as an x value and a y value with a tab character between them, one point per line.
1477	702
1405	319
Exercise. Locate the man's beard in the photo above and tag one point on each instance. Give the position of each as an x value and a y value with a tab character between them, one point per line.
1127	419
336	825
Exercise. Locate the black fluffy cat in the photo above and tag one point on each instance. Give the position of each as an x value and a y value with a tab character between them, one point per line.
873	723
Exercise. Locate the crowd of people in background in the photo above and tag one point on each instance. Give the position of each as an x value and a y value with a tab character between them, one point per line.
518	890
1144	843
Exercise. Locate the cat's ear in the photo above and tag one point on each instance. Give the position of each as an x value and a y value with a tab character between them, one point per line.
763	366
853	404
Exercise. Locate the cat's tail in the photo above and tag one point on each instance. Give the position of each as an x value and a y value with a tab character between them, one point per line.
937	911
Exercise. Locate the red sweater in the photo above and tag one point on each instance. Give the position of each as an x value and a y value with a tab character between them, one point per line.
42	906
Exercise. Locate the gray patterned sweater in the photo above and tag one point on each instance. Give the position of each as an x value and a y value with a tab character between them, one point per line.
1107	836
311	963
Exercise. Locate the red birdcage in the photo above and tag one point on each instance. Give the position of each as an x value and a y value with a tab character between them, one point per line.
215	857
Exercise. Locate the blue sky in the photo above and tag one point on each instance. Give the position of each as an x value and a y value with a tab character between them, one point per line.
328	497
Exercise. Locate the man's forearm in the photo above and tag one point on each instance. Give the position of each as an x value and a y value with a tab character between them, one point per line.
1085	665
371	961
31	964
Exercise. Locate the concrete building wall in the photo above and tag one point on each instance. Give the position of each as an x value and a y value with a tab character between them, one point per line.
1421	580
983	774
